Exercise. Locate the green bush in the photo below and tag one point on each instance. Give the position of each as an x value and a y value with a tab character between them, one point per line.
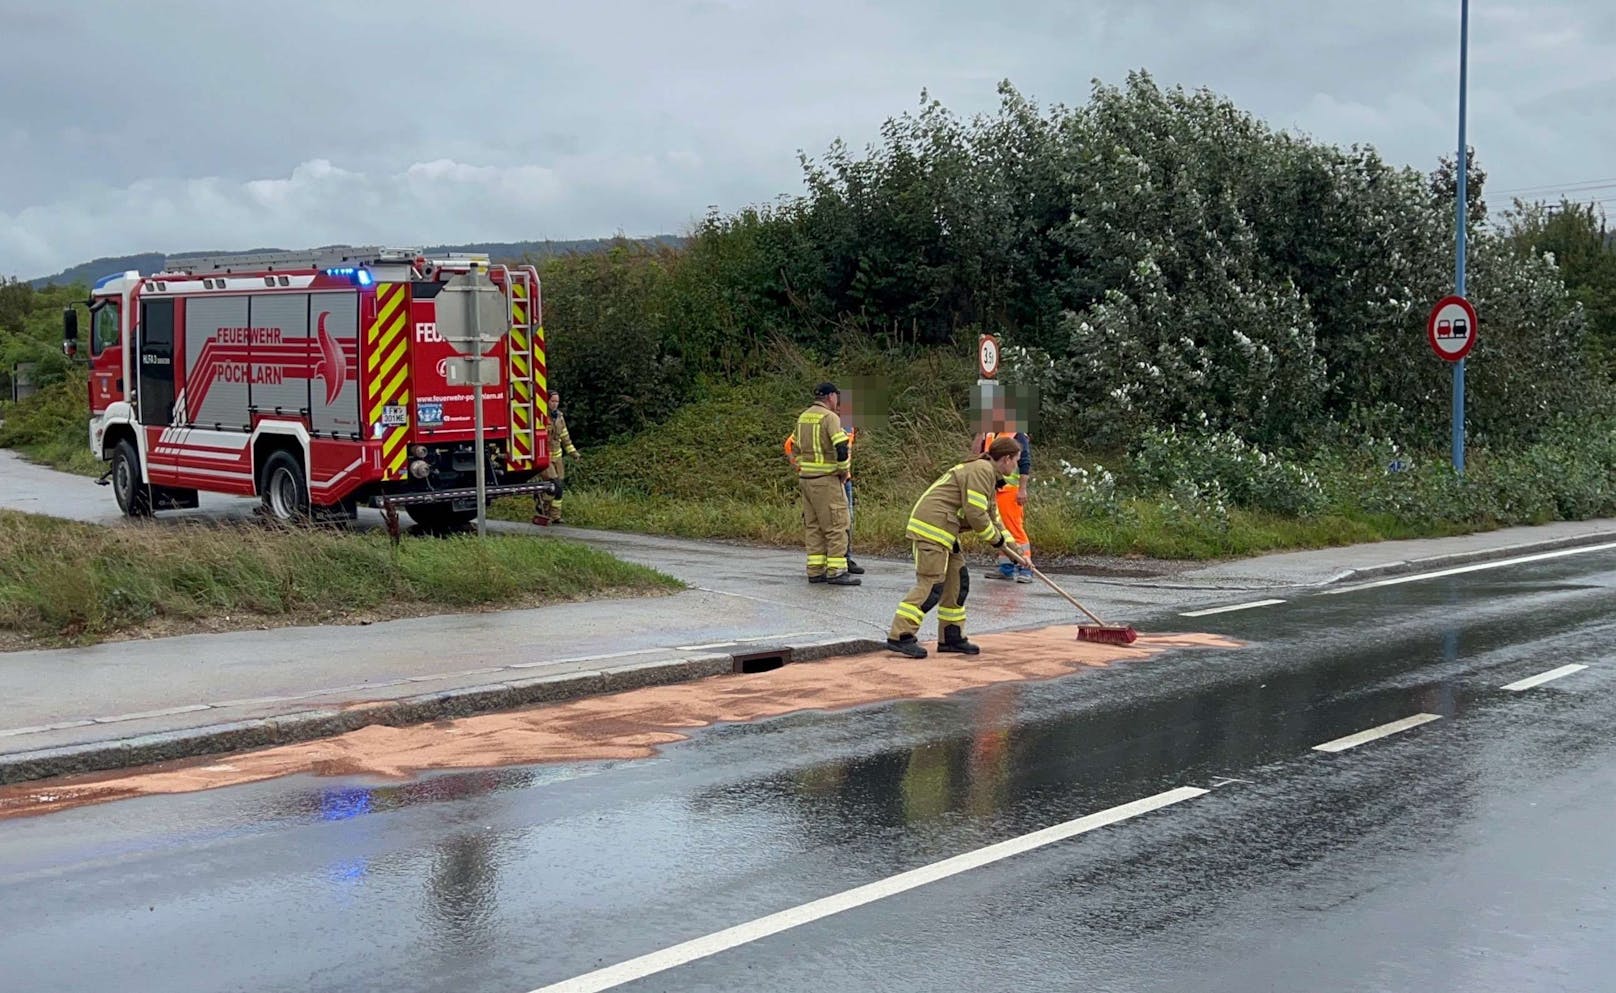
1228	469
53	427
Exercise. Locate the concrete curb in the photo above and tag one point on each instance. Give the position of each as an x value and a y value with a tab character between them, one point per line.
308	725
1435	563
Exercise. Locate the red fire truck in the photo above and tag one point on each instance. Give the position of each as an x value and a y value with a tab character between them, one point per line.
316	381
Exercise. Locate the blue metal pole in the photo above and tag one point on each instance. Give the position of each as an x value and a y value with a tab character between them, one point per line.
1462	213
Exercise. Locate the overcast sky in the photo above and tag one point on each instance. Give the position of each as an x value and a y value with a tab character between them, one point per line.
183	125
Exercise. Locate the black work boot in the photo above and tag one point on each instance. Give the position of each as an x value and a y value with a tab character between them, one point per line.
854	568
953	641
843	579
907	645
817	579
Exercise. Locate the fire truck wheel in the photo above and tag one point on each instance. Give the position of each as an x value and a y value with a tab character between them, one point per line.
134	497
283	489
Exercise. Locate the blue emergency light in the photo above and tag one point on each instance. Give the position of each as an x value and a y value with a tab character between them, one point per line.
357	276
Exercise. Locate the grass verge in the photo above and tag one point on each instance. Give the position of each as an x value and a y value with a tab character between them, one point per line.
62	582
1059	532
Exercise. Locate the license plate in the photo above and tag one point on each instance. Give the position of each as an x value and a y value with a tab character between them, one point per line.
429	413
395	416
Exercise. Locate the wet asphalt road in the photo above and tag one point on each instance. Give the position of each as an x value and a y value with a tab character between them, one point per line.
1473	853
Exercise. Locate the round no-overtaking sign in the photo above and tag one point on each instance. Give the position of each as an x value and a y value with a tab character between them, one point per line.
1451	328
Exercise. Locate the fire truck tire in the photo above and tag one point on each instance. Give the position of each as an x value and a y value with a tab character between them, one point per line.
283	490
133	496
439	516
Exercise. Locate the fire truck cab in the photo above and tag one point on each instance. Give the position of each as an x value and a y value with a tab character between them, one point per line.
315	381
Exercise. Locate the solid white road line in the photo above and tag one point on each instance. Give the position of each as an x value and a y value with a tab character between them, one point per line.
763	927
1225	610
1354	740
1544	677
1500	564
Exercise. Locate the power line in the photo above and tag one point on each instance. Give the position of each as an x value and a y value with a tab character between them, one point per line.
1583	185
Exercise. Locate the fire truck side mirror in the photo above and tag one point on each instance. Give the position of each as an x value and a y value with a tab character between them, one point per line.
70	332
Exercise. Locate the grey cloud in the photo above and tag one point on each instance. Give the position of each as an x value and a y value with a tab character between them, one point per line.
193	123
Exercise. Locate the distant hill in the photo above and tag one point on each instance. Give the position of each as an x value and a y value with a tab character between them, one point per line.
89	272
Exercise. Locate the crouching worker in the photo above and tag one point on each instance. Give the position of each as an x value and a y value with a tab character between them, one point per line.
961	499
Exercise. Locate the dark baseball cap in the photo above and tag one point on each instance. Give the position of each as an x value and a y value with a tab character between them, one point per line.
825	389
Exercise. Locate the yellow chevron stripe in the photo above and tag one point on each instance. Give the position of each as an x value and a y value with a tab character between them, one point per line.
385	301
396	384
388	392
383	363
390	363
385	343
386	337
391	305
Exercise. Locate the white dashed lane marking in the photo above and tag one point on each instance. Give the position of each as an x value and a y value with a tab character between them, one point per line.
1500	564
1232	607
1543	677
1374	733
763	927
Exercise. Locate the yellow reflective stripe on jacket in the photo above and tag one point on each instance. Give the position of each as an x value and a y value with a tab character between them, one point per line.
929	532
814	464
977	499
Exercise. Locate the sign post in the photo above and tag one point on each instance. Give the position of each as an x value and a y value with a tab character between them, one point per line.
1462	165
473	330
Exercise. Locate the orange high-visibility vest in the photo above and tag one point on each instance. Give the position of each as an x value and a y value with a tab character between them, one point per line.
1014	478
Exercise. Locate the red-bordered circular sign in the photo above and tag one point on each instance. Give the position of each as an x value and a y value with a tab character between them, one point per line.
1451	328
987	356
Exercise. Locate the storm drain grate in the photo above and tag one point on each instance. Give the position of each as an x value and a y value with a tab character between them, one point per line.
762	661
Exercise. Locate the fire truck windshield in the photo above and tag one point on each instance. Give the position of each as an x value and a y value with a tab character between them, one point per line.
104	326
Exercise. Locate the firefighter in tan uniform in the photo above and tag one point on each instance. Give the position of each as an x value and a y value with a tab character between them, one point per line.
961	499
560	441
823	461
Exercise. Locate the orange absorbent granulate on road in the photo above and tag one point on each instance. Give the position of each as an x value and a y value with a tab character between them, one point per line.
627	725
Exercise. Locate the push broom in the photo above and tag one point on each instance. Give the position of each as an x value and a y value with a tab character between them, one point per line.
1099	631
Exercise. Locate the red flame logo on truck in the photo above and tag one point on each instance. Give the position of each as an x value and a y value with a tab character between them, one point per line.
333	365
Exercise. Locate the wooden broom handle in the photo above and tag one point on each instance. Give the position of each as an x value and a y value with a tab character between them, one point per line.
1017	559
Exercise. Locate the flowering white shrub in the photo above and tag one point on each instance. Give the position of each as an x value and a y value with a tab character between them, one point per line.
1226	275
1093	491
1241	472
